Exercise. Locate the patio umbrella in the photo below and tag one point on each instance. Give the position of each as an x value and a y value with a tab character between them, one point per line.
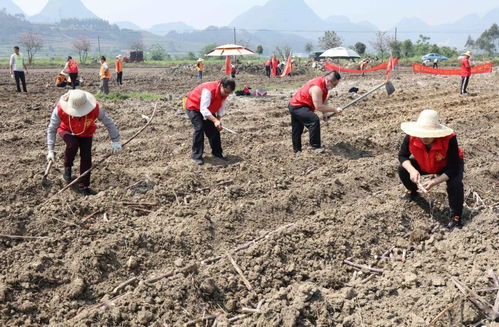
340	53
230	50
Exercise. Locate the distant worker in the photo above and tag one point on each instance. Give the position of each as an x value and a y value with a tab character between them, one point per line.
17	68
205	106
363	65
71	68
104	75
61	79
118	66
465	72
310	97
435	63
431	148
268	65
200	68
233	71
73	119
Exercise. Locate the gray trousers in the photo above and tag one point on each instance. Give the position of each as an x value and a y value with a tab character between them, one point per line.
104	85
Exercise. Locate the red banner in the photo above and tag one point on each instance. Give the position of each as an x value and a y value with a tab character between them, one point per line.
288	69
330	66
227	65
480	69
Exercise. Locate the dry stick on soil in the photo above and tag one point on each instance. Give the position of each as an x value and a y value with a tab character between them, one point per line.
449	307
198	320
494	277
148	204
124	284
240	272
363	267
22	237
384	255
90	216
477	301
105	157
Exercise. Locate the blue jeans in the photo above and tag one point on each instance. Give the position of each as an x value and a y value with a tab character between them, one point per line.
200	75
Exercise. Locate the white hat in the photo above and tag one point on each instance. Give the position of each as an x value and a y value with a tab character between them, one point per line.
200	59
467	53
77	103
118	56
427	125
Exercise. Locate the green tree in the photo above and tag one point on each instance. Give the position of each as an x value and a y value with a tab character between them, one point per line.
422	46
470	43
434	48
190	56
381	43
488	39
396	47
448	52
158	53
207	48
309	46
360	48
259	50
330	40
407	49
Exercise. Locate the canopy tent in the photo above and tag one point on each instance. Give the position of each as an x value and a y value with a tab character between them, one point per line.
230	50
340	53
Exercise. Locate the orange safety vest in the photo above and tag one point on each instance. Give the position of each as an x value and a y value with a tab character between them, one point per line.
194	97
119	66
78	126
435	160
103	73
302	97
72	66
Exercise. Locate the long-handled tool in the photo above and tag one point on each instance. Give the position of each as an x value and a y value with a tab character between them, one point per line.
389	90
230	130
45	184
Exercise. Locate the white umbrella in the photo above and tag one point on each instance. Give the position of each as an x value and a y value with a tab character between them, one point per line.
230	50
340	52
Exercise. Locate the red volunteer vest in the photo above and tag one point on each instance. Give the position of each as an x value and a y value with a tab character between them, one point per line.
268	63
194	97
465	67
78	126
435	160
302	97
72	66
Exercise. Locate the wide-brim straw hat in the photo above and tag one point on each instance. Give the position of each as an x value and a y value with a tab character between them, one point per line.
427	126
200	59
467	53
118	57
77	103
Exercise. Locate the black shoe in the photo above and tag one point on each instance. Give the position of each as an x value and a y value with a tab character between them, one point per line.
86	191
410	196
221	157
454	222
198	162
67	174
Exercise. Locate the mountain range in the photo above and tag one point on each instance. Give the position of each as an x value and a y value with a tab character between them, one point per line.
276	23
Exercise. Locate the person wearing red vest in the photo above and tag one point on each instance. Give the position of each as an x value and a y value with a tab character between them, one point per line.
118	65
310	97
465	71
73	119
268	64
71	68
205	105
431	148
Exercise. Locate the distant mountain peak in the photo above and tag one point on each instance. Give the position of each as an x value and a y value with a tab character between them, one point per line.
56	10
11	8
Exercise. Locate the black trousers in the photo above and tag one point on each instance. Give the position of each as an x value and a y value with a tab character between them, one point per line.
202	127
19	76
267	71
464	83
304	117
455	188
119	78
84	144
74	79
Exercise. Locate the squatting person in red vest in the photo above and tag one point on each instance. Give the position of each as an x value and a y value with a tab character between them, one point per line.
431	148
205	106
465	71
74	119
71	68
312	96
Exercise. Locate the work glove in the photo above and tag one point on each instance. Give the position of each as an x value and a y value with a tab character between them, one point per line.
51	155
116	146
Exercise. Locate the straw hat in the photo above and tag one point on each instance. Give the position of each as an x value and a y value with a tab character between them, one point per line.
200	59
77	103
467	53
118	57
427	125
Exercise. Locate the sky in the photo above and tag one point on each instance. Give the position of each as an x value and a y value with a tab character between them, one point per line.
202	13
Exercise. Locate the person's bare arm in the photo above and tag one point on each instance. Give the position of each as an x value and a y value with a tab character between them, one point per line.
316	94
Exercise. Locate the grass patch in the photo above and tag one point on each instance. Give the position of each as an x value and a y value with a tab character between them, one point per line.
124	96
285	86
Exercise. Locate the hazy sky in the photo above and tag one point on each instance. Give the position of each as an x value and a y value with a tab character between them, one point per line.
202	13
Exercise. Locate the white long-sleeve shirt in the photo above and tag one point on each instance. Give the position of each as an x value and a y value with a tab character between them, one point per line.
205	103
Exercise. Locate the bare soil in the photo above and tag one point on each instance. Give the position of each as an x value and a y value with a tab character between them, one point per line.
344	204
